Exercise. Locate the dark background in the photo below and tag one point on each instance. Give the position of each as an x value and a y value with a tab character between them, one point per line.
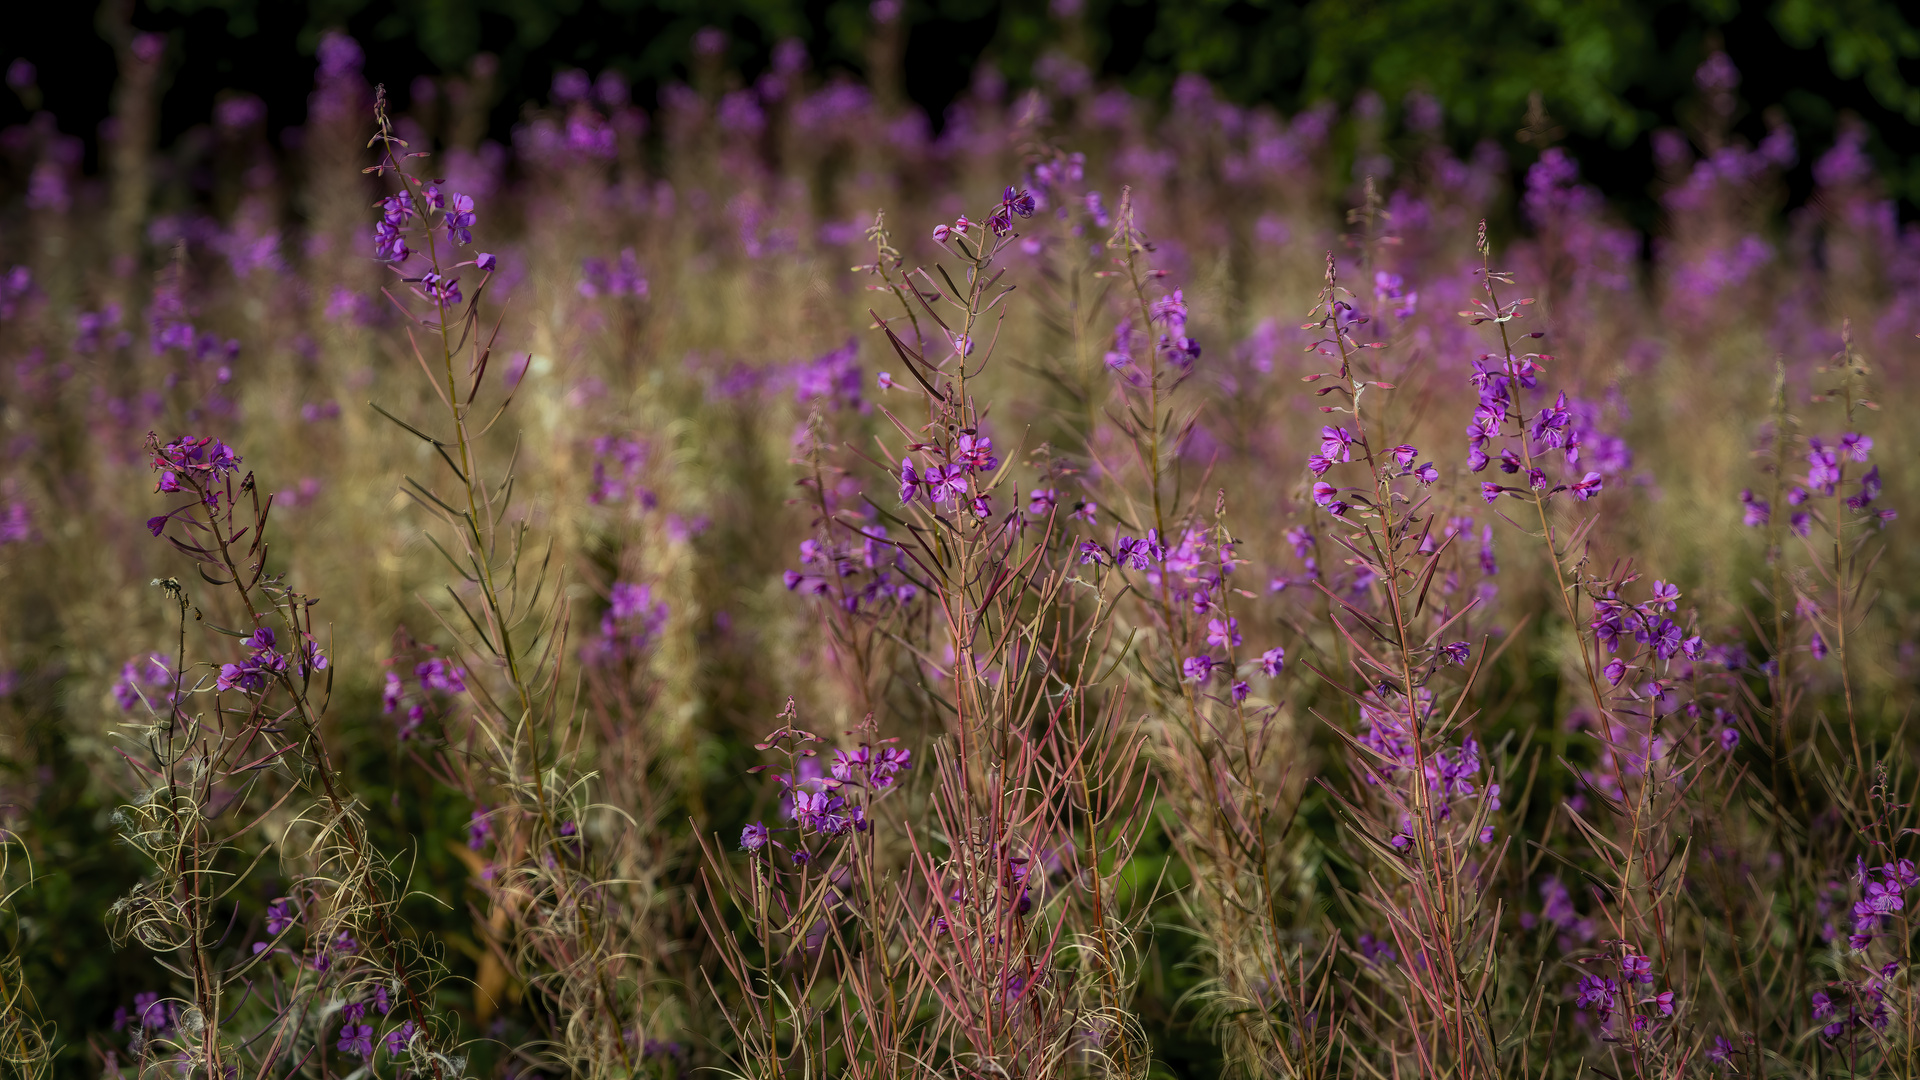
1609	71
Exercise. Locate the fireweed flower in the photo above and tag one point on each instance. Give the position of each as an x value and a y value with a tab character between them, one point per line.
389	238
1012	205
909	481
1869	490
459	219
479	829
440	289
1273	661
754	837
1757	512
1198	668
399	1037
440	675
356	1039
1597	993
1336	444
1223	633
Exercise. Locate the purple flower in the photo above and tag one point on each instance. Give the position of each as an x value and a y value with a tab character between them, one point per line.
389	245
1588	486
441	290
357	1039
1241	690
437	674
1597	993
1757	513
1404	455
1273	661
1665	595
1729	738
1818	646
459	219
1222	634
486	262
1426	473
1490	491
280	917
1198	668
479	829
399	1037
754	836
1336	444
1457	652
1615	670
1869	489
1323	493
1722	1051
152	1013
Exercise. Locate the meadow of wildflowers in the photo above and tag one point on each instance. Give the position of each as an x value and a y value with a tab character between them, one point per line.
1106	590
